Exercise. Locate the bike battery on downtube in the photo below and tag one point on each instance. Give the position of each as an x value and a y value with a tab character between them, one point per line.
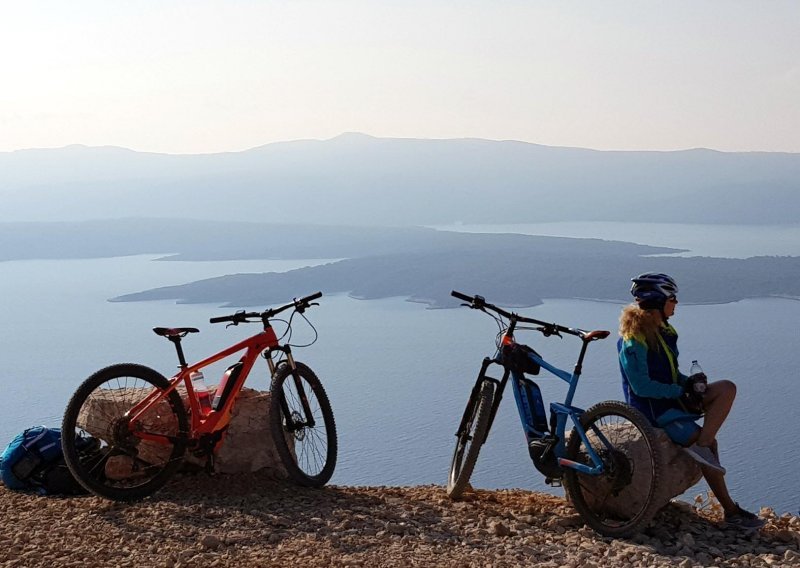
531	406
226	385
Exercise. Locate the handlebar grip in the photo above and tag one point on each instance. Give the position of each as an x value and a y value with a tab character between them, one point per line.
220	319
461	296
312	297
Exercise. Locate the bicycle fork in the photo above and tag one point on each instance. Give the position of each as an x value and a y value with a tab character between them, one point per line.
293	423
476	389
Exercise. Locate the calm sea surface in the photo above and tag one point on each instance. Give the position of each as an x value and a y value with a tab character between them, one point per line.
397	374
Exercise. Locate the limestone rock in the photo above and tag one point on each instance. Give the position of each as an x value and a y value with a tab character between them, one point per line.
248	444
248	520
246	447
678	472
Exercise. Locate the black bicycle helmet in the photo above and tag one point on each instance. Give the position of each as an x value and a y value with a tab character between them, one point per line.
652	290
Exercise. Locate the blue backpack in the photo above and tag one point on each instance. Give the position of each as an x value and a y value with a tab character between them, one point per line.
34	461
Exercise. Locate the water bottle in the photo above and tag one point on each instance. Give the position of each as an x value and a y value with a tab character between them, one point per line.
696	372
226	385
201	390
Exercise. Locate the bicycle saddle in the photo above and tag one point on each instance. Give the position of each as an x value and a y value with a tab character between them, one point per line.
174	331
596	334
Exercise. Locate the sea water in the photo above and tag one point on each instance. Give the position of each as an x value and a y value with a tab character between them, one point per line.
398	374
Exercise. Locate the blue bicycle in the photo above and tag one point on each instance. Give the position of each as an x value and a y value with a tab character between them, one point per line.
609	464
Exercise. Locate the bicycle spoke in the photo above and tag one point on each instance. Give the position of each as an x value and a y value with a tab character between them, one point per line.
123	466
308	452
619	500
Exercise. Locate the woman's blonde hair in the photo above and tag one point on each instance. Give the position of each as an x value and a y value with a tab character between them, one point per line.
643	325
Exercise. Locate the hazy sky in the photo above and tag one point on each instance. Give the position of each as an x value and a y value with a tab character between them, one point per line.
208	76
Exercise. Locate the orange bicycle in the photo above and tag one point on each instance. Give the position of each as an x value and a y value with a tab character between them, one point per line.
141	427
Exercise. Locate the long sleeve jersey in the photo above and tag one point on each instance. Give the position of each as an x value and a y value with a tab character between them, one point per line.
651	380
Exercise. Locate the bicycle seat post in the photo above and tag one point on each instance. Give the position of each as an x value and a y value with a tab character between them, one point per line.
176	339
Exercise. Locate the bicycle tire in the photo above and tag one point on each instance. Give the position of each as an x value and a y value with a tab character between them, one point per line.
123	467
312	465
465	456
622	500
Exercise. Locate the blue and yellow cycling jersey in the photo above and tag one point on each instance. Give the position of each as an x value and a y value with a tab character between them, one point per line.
651	381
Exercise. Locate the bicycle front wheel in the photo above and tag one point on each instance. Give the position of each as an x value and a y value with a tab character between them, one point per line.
622	499
104	453
470	439
302	425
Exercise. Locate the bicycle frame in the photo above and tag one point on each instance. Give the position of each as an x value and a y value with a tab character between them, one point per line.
559	412
209	422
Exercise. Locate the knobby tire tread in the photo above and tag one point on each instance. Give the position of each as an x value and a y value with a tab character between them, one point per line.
571	477
461	469
311	380
71	455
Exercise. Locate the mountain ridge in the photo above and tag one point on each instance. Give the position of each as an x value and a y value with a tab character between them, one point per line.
359	179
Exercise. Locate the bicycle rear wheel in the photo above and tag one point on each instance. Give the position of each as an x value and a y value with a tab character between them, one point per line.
621	500
470	439
121	465
307	445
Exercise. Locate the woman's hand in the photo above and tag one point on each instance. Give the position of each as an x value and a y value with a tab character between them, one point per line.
694	391
697	383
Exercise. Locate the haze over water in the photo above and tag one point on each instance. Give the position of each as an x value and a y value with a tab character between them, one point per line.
728	241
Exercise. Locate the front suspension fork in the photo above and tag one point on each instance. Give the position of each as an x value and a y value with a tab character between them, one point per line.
292	425
475	394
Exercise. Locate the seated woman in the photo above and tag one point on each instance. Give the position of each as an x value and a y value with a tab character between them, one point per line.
652	383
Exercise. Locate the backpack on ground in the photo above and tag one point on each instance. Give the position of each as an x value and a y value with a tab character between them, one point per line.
34	461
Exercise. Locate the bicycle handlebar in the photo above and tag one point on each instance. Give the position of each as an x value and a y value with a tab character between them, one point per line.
240	317
461	296
479	303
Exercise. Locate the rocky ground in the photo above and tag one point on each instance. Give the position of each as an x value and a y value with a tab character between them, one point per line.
250	521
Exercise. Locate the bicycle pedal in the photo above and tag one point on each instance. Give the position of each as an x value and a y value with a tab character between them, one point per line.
553	481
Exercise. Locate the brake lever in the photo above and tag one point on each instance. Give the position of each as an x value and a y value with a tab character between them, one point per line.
238	318
303	307
550	329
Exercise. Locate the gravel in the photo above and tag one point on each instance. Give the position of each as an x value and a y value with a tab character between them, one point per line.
249	520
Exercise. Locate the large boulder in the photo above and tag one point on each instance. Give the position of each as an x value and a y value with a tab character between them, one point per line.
678	472
247	446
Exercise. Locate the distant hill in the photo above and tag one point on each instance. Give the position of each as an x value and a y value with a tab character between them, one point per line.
358	179
418	263
191	239
509	278
511	270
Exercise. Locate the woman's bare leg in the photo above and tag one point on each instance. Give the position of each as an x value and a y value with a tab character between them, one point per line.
717	401
716	482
